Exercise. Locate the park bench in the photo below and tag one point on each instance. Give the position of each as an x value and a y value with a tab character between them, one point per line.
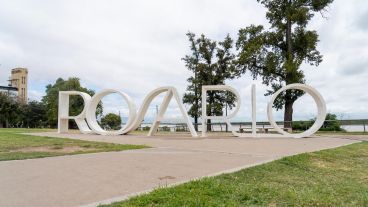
264	130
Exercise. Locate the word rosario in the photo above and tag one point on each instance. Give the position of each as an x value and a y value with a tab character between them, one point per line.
87	122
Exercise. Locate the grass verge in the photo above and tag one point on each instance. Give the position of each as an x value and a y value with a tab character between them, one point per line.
17	146
335	177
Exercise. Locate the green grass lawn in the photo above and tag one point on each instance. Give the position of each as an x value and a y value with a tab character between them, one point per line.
17	146
335	177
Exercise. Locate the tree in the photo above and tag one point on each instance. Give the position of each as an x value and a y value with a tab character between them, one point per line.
331	124
14	113
111	121
276	54
34	115
211	64
8	110
50	100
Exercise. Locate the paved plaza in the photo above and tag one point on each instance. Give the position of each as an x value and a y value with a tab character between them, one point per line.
91	179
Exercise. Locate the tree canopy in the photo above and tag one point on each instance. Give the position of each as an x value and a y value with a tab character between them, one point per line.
111	121
211	64
14	113
330	124
8	110
277	53
34	114
51	99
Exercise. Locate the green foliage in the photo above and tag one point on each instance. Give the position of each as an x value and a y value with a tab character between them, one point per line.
9	108
34	115
45	113
16	114
165	129
111	121
302	125
50	100
331	124
146	128
276	54
181	128
211	64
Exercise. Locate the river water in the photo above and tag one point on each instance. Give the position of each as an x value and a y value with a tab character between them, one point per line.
348	128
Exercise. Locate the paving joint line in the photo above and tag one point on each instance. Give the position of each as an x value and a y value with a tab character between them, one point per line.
215	151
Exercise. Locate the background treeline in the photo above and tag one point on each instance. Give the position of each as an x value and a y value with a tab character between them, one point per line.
15	114
331	124
44	113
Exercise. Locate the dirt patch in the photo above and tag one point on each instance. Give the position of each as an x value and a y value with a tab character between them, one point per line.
320	164
168	177
66	149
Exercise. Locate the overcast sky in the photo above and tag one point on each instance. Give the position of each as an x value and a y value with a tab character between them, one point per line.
136	46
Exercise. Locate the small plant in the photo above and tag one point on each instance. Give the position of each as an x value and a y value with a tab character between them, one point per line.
58	146
111	121
165	128
86	145
146	128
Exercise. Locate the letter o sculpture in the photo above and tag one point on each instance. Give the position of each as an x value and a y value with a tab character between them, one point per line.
321	108
91	112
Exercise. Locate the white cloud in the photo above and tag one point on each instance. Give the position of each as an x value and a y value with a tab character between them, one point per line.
136	46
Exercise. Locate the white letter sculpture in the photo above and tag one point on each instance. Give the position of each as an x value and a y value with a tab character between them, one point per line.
321	110
63	112
89	112
87	122
321	106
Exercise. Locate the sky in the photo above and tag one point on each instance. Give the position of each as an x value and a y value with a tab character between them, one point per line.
137	46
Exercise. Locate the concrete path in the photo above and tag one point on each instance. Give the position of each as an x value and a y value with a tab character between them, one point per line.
90	179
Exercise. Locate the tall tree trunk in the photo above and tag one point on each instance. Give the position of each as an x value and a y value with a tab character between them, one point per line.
226	126
209	110
289	52
210	114
288	113
197	110
208	125
196	122
196	101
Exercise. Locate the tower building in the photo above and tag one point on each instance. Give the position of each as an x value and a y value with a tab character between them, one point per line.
19	79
